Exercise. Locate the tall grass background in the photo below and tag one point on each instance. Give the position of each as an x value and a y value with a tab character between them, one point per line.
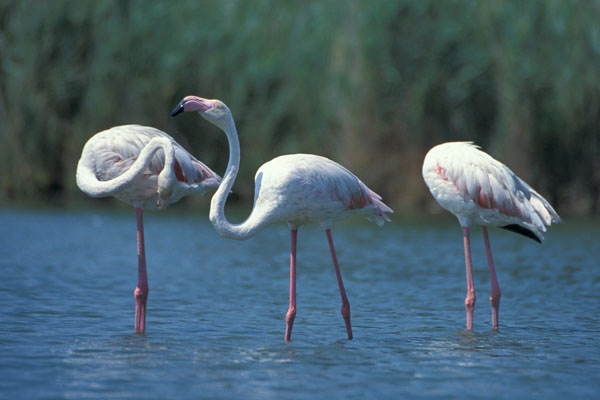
370	84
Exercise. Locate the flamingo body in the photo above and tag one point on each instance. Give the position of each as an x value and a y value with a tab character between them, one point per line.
146	168
109	154
306	188
297	189
479	190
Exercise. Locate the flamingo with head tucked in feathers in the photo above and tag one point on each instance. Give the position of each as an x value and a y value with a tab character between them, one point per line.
296	189
480	190
145	167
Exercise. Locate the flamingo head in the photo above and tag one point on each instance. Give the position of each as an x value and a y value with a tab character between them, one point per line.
166	185
215	111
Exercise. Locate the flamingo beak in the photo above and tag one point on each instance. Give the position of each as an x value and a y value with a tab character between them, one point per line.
178	109
192	103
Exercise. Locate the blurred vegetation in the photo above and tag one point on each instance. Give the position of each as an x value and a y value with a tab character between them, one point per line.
371	84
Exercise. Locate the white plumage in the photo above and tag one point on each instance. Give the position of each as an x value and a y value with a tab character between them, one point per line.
297	189
146	168
306	188
479	190
128	162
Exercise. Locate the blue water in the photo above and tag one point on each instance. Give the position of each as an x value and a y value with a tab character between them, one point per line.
216	309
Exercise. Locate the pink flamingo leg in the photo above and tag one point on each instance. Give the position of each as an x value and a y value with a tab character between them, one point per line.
291	313
470	299
140	293
345	303
495	293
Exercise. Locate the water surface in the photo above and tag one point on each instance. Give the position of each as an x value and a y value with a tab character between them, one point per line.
216	309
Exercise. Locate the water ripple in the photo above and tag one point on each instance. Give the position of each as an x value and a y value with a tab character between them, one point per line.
216	312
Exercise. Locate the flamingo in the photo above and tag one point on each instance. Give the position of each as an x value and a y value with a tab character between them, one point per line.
479	190
297	189
145	167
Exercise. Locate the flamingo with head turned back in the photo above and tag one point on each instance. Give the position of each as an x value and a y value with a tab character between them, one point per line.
480	190
145	167
297	189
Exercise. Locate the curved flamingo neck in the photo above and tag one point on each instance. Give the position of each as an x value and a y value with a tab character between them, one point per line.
253	224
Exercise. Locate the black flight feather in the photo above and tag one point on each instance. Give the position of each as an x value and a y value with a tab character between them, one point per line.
521	231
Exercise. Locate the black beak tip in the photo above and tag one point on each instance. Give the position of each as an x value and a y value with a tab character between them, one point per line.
177	110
